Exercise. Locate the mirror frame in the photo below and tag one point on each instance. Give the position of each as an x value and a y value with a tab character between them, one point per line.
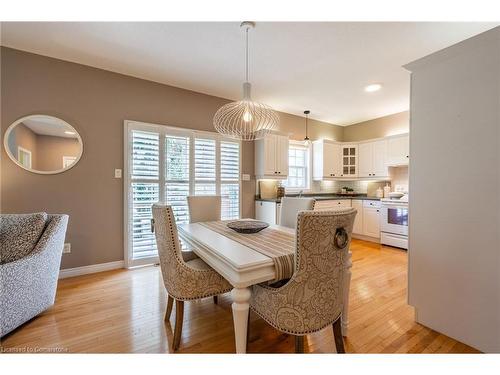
14	159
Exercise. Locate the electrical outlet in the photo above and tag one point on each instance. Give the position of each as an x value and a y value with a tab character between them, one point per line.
118	173
67	248
245	177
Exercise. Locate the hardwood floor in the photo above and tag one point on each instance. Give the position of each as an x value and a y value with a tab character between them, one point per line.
122	312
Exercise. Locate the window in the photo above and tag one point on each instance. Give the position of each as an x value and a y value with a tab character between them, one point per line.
144	190
167	164
229	176
298	166
24	157
177	175
68	160
205	167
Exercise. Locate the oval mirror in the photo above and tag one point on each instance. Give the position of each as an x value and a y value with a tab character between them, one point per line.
43	144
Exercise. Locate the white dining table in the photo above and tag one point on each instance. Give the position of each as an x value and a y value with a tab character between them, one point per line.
243	267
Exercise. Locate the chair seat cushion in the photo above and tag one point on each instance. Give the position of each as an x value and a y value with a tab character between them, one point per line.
19	234
198	264
188	255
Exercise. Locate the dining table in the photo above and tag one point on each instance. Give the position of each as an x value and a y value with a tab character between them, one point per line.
245	260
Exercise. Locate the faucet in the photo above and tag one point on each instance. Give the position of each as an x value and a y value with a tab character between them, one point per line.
300	193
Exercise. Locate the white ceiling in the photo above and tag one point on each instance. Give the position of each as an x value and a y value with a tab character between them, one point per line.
322	67
48	125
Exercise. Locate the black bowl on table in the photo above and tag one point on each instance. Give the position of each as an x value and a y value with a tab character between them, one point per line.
247	226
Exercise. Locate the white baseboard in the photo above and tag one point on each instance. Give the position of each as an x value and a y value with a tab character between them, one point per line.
365	238
70	272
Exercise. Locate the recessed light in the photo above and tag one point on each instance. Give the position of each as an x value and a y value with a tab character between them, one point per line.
373	87
69	133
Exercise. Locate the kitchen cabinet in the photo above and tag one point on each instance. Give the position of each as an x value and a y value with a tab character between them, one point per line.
349	160
372	159
268	212
371	218
398	150
358	221
326	160
366	222
271	157
332	204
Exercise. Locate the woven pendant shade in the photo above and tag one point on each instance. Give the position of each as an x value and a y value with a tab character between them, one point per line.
245	119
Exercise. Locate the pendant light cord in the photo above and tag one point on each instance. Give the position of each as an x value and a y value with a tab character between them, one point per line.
307	117
246	56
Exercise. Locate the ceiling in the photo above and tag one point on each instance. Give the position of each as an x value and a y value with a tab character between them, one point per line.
48	125
322	67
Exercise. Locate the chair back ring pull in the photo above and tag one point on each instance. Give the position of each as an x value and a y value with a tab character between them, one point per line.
341	238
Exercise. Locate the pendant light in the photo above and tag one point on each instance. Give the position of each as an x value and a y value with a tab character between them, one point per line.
245	119
307	141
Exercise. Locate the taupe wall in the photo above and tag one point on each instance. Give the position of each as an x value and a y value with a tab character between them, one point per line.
378	128
52	149
316	129
96	102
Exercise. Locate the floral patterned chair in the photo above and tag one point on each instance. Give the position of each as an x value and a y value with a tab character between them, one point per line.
184	280
312	299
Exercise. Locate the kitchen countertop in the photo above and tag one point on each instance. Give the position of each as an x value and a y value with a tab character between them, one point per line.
323	197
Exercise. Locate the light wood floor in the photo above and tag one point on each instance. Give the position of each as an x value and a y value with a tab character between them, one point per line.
122	312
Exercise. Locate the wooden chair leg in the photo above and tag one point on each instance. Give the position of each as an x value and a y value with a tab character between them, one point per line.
179	317
216	299
337	335
170	304
248	327
299	344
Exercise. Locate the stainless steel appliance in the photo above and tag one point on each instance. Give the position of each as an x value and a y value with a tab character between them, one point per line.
394	222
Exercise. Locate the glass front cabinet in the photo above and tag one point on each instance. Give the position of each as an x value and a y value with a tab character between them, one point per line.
349	160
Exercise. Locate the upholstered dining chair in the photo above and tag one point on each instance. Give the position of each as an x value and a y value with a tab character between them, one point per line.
312	299
202	208
184	280
290	208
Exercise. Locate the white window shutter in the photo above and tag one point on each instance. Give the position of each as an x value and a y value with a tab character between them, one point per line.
230	179
144	191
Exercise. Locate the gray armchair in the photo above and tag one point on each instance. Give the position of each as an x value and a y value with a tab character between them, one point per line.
30	256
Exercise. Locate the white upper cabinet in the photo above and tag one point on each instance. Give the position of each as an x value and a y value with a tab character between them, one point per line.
372	159
282	143
349	160
365	159
326	160
398	150
271	157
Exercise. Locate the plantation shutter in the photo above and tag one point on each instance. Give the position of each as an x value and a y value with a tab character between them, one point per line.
166	164
177	176
145	178
229	176
205	167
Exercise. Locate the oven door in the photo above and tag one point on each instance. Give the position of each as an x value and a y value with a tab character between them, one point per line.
394	219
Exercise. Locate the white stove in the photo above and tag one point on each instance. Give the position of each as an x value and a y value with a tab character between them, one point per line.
394	221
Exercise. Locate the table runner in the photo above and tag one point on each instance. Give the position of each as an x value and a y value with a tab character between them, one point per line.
276	244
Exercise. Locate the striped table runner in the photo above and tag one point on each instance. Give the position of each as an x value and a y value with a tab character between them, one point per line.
276	244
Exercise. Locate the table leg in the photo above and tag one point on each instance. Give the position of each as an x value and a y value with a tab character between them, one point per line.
241	297
347	285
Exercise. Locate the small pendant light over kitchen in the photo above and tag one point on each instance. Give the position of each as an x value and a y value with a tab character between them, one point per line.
245	119
307	141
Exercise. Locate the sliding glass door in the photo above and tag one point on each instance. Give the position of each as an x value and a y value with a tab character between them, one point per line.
166	164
